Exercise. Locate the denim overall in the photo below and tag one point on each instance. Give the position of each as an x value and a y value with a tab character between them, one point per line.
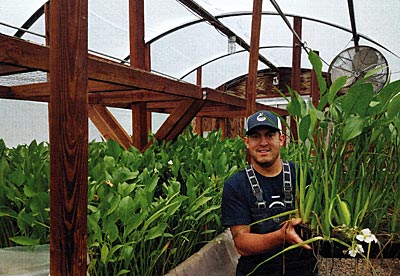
301	262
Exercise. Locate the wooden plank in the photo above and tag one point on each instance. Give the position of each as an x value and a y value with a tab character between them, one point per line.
68	136
253	59
108	125
136	37
296	68
296	55
179	119
6	70
223	97
22	53
140	130
114	96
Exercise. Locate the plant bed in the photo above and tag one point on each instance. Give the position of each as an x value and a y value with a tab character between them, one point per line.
329	249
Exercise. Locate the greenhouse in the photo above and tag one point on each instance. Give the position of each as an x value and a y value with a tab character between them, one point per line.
122	120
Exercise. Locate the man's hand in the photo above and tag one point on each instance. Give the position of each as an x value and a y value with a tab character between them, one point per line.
289	232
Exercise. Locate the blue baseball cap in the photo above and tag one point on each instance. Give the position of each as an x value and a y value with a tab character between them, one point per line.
262	118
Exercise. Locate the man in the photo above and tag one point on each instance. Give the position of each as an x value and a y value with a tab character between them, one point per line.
263	190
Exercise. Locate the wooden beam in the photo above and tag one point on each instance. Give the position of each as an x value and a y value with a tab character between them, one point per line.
178	120
108	125
136	31
140	128
21	53
199	120
67	61
296	68
6	70
251	83
296	55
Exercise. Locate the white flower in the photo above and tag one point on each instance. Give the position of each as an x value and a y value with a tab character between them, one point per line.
357	249
170	162
366	236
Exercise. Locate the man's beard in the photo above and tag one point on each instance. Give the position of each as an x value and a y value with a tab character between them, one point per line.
265	164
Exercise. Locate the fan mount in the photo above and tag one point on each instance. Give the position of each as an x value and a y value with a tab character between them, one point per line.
356	62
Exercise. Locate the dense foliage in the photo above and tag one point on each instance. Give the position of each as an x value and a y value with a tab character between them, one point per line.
351	143
147	212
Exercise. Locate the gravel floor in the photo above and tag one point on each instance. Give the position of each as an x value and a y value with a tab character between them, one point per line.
358	267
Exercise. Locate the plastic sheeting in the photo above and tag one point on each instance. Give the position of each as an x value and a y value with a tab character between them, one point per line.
326	28
25	261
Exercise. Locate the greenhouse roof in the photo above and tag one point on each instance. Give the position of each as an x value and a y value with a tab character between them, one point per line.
182	40
186	35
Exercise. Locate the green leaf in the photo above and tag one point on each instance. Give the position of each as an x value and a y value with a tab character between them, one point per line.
336	86
304	127
156	231
294	106
199	202
394	106
317	66
123	272
358	99
353	127
25	240
125	209
111	230
104	254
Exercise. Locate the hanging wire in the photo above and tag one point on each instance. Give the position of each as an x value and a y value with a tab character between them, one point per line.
22	29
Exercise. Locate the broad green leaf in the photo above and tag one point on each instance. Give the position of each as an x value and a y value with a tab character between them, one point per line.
304	127
25	240
199	202
388	92
336	86
17	177
123	272
394	106
353	127
294	106
115	201
113	148
104	254
358	99
125	209
111	230
156	231
317	66
133	223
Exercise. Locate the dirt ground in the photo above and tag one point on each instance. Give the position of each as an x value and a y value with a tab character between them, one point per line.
358	267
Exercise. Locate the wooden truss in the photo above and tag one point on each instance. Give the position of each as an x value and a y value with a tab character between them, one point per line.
83	86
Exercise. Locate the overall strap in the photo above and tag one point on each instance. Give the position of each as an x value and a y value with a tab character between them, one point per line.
257	191
286	187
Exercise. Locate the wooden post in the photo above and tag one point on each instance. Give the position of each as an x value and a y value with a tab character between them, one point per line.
68	136
199	119
251	84
296	68
139	59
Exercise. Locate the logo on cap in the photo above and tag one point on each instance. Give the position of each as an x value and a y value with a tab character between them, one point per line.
261	117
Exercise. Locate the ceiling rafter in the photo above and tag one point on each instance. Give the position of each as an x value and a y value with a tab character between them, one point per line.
216	23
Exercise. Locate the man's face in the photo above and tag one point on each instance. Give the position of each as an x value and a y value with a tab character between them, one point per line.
264	145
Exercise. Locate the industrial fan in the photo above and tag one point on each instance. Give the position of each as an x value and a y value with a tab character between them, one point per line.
355	62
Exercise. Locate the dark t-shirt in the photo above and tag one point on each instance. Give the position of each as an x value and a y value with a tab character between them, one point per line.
239	208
